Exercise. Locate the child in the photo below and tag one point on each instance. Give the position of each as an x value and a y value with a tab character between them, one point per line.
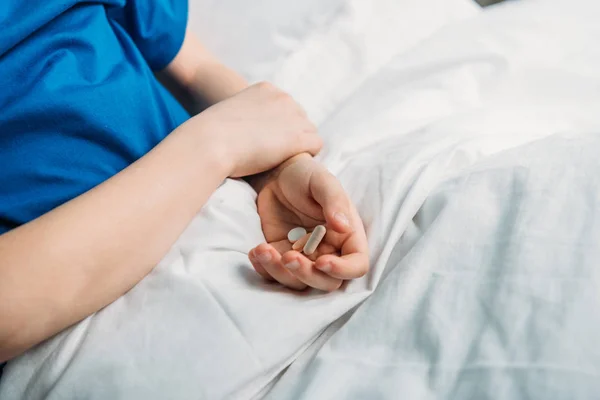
102	169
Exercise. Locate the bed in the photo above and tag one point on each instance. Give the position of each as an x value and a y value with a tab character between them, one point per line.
470	143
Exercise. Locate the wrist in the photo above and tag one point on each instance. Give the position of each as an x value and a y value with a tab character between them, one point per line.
302	157
206	146
259	181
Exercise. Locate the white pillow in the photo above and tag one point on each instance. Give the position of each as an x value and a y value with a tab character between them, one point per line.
318	50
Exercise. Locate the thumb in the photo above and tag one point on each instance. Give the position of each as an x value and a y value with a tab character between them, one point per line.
329	193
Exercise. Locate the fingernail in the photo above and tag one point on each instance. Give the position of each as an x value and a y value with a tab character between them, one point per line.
292	265
324	267
263	257
341	218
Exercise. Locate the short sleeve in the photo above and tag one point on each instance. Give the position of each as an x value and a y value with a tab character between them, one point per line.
156	26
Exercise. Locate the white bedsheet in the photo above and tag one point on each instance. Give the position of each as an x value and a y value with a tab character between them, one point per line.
474	159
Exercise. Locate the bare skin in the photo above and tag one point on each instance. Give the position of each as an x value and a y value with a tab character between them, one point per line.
83	255
302	192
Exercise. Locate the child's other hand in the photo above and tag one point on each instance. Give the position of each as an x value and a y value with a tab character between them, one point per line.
303	193
257	129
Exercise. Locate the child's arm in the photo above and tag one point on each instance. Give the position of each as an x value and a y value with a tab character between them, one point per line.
81	256
197	78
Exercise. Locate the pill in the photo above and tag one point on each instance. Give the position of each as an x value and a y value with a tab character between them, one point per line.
314	240
301	242
296	234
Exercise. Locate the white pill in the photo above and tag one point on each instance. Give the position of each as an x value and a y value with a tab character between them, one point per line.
295	234
314	240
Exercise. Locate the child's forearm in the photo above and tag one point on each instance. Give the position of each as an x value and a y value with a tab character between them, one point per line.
259	181
76	259
199	79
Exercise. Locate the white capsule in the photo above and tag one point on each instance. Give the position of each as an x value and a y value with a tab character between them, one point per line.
314	240
295	234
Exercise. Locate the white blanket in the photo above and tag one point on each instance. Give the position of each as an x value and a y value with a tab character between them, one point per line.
474	159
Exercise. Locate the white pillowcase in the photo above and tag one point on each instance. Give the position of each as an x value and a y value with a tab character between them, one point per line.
318	50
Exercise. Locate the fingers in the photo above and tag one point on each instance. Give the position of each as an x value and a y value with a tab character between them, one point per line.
302	268
324	248
293	269
354	261
329	193
349	266
269	260
356	242
299	244
258	267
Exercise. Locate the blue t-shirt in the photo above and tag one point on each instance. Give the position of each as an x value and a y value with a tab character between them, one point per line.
78	98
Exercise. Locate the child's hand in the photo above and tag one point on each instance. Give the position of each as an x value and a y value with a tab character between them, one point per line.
303	193
257	129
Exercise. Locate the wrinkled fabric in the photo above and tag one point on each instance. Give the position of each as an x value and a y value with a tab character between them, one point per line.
472	159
